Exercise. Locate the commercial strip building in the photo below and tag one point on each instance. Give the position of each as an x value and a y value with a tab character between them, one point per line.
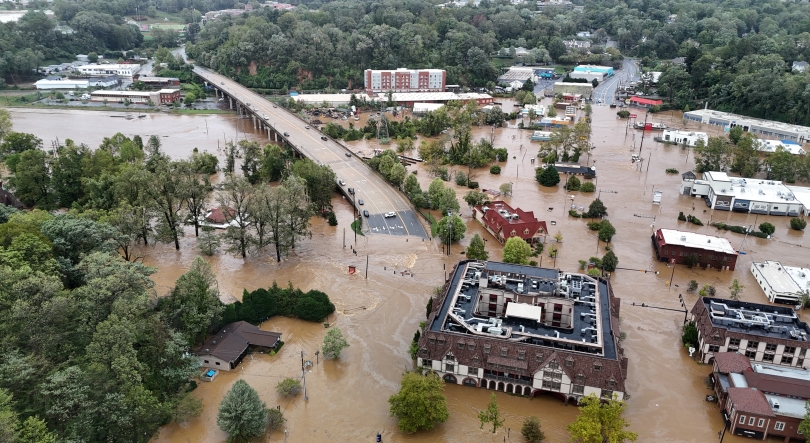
745	195
684	138
759	127
159	82
641	102
227	347
503	222
607	71
679	247
526	330
763	333
760	400
161	97
405	80
64	83
122	70
589	75
781	284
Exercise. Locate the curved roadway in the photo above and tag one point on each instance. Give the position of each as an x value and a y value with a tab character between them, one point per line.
378	196
605	93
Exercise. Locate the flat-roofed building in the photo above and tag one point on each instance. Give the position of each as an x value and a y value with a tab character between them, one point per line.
763	333
771	146
760	127
160	82
687	138
526	330
516	76
760	400
405	80
584	89
737	194
161	97
121	70
781	284
683	247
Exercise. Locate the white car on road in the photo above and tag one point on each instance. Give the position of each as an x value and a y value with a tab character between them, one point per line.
390	214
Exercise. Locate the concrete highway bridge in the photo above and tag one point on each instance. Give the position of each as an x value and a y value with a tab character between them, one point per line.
287	129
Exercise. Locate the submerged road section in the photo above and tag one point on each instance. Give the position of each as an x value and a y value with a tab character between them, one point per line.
378	197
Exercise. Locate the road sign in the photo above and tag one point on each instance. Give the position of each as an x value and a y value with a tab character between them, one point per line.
632	115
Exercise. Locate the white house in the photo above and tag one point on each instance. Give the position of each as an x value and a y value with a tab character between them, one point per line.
684	137
781	284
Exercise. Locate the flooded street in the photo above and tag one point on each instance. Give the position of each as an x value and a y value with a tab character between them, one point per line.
348	398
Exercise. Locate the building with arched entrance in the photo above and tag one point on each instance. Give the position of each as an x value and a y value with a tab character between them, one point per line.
526	331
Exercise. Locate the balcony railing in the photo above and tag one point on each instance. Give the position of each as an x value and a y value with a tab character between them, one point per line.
508	379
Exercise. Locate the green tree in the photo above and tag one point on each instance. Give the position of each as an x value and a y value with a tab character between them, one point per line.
475	198
32	180
767	228
272	163
573	183
596	209
599	422
8	418
92	57
606	231
17	142
492	414
162	190
193	307
319	180
712	156
735	289
610	262
194	188
517	251
548	176
689	334
34	430
451	229
289	387
781	165
476	249
5	124
420	402
531	430
235	204
333	344
797	224
188	407
242	414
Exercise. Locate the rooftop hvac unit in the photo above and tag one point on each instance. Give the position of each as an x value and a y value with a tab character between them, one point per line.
683	238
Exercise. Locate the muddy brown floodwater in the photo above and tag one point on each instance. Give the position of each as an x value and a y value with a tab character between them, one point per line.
348	397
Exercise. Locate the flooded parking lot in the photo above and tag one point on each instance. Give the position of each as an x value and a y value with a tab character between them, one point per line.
348	398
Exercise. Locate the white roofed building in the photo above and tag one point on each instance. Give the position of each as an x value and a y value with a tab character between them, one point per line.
745	195
761	128
781	284
688	138
771	146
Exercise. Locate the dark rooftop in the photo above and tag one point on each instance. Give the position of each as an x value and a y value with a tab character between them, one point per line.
756	319
232	340
582	291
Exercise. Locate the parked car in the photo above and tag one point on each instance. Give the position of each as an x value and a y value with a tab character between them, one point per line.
286	134
306	127
341	183
351	191
359	201
275	106
365	212
323	137
348	154
390	214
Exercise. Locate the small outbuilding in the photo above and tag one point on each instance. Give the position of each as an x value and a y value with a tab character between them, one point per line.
227	347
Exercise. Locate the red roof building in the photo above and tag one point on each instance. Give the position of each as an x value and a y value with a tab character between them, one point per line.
217	215
504	222
644	102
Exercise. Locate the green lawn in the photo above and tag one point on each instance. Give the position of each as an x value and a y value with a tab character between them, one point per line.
357	226
433	224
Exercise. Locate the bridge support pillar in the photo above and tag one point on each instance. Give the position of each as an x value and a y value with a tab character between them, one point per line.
254	122
230	102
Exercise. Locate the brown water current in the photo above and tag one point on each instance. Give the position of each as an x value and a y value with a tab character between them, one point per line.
348	397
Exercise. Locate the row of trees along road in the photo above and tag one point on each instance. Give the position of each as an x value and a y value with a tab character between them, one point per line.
147	196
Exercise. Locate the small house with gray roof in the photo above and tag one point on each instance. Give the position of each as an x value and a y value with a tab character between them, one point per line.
225	349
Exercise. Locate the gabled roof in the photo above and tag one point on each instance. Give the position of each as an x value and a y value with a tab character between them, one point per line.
217	215
688	175
750	401
730	362
229	343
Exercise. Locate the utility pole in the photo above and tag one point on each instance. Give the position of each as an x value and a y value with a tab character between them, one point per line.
643	131
304	376
366	266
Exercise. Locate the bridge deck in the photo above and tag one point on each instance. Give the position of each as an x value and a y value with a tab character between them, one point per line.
378	195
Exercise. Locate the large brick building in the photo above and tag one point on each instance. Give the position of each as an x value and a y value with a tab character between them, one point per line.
526	330
763	333
503	222
679	247
405	80
760	400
